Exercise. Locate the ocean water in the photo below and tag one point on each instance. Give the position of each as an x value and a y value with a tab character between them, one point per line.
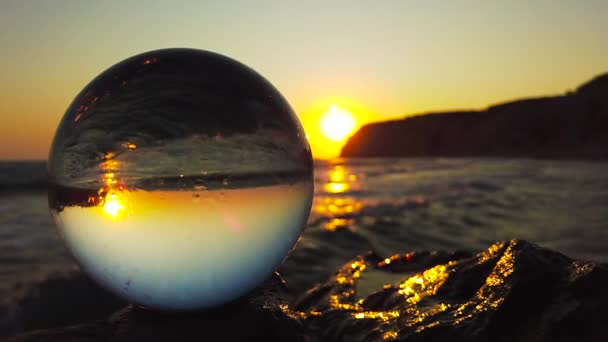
384	205
399	205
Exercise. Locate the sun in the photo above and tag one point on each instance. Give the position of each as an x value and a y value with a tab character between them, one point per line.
337	123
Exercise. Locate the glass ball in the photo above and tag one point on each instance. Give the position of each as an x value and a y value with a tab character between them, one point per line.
180	179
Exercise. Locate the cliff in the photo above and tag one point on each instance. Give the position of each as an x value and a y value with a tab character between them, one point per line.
570	126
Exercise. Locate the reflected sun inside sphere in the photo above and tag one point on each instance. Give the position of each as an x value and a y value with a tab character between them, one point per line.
113	206
337	123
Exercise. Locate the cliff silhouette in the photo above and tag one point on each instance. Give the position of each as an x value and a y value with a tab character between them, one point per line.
569	126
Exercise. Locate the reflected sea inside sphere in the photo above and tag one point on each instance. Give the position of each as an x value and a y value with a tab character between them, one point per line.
180	179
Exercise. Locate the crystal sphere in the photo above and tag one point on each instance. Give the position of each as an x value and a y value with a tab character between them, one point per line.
180	179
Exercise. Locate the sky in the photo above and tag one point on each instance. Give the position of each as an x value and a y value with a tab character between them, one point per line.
378	59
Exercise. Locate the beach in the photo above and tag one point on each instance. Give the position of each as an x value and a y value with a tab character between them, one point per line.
385	207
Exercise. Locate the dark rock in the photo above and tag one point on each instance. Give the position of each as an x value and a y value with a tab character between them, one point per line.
514	291
261	314
65	299
571	126
60	299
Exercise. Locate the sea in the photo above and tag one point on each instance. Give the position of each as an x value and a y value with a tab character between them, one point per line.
386	206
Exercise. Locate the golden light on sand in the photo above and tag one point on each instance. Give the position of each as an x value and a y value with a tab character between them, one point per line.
337	123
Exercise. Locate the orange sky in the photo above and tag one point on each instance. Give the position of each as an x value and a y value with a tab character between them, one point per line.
379	62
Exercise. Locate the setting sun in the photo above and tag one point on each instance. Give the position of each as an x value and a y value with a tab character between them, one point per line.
337	123
330	122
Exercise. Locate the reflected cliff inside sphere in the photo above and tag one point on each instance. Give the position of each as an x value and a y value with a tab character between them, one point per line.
180	179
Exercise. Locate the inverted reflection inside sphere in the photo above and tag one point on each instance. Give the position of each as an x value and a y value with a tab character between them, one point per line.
180	179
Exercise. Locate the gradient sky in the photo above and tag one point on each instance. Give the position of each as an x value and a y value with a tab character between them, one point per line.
380	59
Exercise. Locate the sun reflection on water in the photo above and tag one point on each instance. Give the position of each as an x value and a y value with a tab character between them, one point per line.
336	188
337	207
338	180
